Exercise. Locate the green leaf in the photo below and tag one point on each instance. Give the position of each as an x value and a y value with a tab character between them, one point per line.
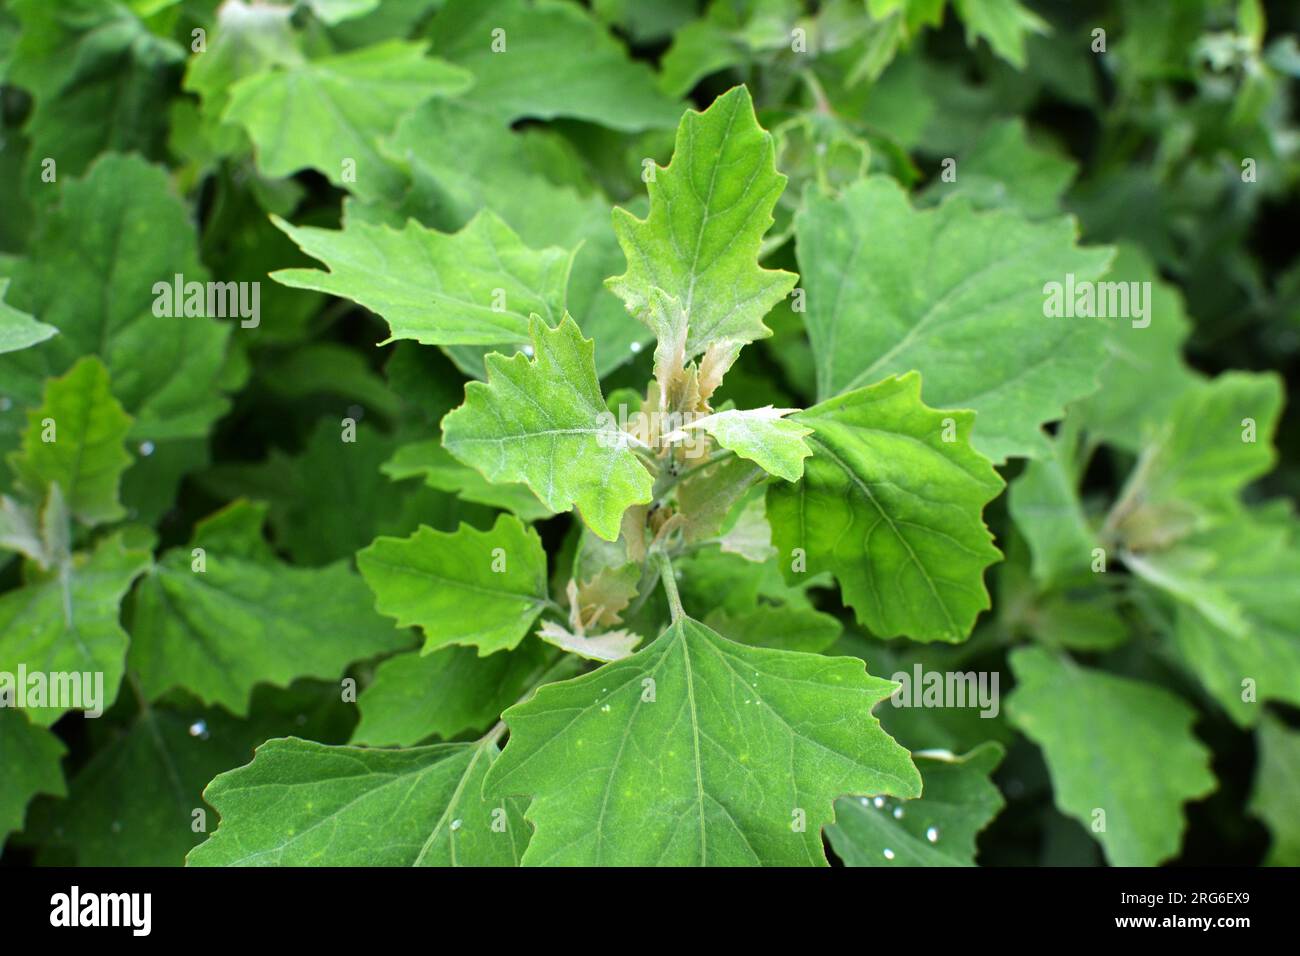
1097	732
709	209
97	72
248	40
1277	780
784	628
31	756
138	800
1005	24
329	368
1217	439
66	620
517	72
220	622
761	435
335	12
75	440
936	829
1003	169
542	421
890	503
18	330
1045	503
463	160
333	498
20	531
697	750
329	112
1144	374
478	588
91	273
430	461
301	803
1236	608
954	294
475	287
453	690
699	49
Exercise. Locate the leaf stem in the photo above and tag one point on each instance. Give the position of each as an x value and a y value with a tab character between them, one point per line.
821	103
562	662
670	584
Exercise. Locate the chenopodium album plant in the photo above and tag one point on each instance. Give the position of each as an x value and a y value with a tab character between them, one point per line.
745	645
684	746
707	738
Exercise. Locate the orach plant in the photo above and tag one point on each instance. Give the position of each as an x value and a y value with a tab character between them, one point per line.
659	539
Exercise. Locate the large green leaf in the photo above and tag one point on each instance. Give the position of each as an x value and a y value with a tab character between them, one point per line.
242	617
476	287
698	751
75	440
955	294
328	112
1097	732
66	619
937	829
709	209
31	758
542	421
480	588
550	59
301	803
890	503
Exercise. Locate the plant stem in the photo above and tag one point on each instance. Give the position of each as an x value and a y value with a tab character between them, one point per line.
820	101
670	585
561	663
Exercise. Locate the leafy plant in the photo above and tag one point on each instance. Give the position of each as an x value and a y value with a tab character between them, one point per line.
760	389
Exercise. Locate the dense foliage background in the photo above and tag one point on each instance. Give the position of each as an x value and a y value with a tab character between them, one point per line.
1172	135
